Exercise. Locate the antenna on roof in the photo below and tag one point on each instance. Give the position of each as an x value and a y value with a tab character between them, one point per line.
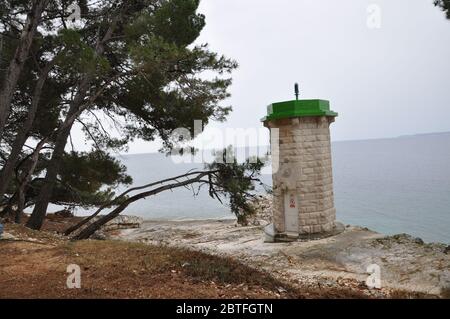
297	91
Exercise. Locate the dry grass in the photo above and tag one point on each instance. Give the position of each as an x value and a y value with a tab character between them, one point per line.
113	269
445	293
400	294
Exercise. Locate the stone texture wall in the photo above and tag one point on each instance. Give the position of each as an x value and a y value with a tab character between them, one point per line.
305	167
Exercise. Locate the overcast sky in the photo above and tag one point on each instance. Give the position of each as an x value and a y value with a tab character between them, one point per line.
384	82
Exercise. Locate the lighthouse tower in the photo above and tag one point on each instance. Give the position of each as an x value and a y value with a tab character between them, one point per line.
303	196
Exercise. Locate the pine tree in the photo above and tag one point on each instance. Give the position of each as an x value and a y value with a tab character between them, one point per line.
444	5
131	61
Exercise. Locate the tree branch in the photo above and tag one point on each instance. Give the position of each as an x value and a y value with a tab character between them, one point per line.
92	228
124	194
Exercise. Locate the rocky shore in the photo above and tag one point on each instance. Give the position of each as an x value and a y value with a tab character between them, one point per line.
406	263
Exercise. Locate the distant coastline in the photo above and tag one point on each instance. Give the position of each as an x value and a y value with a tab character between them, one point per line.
444	133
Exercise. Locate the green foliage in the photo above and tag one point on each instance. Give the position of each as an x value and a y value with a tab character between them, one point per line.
166	88
149	80
177	22
444	5
79	57
236	181
85	179
89	171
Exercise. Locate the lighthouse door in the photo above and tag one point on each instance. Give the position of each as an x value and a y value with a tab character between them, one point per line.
291	212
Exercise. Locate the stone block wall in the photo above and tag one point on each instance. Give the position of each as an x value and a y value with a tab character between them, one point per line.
305	167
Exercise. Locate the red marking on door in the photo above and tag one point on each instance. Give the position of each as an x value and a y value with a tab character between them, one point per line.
292	201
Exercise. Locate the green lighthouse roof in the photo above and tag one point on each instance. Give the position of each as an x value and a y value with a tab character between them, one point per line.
298	108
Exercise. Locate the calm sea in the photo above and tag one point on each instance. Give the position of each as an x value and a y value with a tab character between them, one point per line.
399	185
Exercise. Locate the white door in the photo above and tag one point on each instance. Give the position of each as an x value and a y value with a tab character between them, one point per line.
291	212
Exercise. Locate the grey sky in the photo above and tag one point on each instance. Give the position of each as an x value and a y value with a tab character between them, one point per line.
383	82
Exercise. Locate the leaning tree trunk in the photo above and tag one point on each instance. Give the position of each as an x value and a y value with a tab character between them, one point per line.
17	63
20	204
76	108
8	211
40	209
117	200
25	180
95	226
8	169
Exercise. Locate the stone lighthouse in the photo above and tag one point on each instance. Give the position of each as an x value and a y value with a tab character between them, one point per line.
303	203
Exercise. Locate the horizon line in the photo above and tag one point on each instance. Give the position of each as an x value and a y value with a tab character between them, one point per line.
338	141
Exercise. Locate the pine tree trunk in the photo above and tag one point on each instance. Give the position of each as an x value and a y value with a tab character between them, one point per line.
17	63
92	228
26	178
11	163
40	209
20	204
76	108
